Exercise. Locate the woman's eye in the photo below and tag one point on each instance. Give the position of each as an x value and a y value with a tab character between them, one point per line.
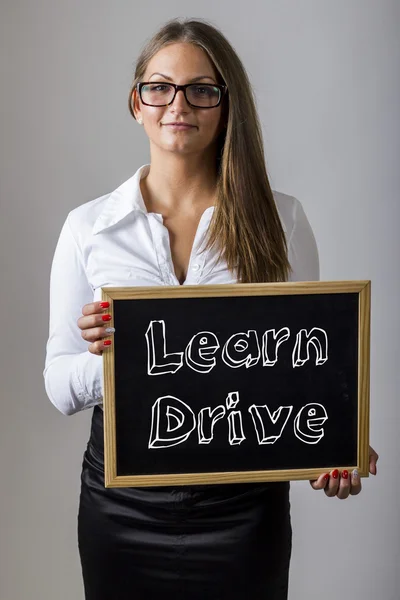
158	87
202	90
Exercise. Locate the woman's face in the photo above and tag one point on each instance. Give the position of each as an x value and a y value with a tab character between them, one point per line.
180	63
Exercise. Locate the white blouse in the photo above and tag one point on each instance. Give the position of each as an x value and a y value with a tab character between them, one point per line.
114	241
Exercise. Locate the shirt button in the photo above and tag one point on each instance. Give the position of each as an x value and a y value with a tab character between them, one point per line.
196	267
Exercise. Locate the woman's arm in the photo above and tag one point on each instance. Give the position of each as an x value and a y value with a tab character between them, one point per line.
303	256
302	248
73	376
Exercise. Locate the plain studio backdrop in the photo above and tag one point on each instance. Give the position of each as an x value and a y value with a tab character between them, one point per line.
327	81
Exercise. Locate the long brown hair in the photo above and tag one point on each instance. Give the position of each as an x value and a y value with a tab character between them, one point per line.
245	226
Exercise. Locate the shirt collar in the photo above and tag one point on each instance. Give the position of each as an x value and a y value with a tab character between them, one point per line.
122	201
125	199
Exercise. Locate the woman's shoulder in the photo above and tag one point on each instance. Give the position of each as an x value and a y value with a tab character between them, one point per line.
84	216
288	208
98	214
303	250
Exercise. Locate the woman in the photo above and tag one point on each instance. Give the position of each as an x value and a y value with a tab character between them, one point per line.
206	182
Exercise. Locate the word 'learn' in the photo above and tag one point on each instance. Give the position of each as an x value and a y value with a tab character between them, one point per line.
242	349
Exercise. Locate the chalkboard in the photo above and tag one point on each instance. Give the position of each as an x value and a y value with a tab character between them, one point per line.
230	383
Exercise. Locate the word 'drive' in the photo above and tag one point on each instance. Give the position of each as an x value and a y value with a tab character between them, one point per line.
173	421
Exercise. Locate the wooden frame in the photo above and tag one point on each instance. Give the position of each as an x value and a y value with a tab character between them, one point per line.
362	288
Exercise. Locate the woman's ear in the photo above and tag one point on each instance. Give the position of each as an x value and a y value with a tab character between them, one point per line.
135	104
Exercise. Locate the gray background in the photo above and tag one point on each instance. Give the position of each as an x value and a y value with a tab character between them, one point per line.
327	79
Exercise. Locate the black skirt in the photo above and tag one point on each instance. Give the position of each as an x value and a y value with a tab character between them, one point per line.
210	542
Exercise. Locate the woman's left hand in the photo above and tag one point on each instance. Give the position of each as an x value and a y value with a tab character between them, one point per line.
344	484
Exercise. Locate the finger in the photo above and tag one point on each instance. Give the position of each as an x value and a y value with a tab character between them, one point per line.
93	320
344	486
321	482
95	307
99	346
373	459
373	452
333	485
355	483
96	333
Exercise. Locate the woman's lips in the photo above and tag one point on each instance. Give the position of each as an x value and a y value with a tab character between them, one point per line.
178	127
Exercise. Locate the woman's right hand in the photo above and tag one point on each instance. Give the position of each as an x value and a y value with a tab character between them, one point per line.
95	326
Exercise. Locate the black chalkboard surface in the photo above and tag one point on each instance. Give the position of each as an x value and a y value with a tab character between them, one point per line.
230	383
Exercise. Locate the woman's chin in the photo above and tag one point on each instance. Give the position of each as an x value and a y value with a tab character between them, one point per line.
177	146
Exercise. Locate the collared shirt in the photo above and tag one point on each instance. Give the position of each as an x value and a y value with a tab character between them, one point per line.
114	241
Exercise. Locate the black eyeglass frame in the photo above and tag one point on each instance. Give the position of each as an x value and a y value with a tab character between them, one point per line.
222	88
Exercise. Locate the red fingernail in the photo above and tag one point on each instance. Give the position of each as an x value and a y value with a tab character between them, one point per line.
104	304
345	474
335	474
326	477
106	317
107	343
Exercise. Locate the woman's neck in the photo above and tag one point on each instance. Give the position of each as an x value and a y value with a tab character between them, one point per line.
179	183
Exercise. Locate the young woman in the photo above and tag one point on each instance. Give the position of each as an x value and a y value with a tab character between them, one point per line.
202	212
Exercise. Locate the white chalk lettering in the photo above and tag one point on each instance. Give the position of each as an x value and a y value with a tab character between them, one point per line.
158	361
172	421
236	434
232	400
310	416
206	422
235	423
199	348
269	427
270	344
241	349
318	338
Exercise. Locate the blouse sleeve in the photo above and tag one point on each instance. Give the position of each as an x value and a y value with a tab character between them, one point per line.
72	375
302	248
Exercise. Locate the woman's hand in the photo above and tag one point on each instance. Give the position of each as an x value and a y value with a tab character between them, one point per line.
344	484
95	326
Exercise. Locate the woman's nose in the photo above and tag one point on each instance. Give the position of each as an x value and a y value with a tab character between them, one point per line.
180	100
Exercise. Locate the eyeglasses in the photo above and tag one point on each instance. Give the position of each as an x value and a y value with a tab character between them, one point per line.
198	95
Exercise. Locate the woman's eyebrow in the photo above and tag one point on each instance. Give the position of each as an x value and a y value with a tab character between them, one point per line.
190	80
